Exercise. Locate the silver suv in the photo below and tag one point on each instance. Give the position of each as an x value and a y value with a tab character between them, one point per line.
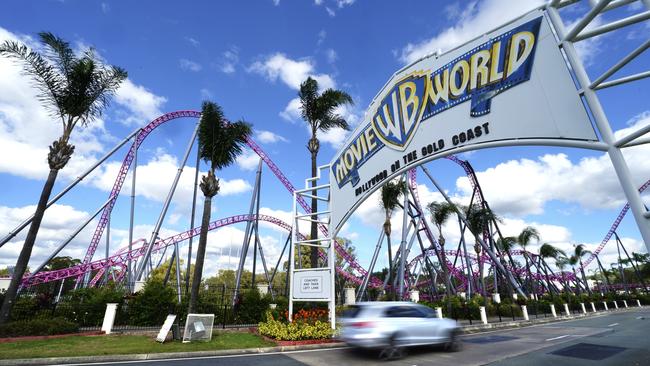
391	326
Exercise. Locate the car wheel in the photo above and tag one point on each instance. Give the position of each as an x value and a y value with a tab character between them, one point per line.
395	349
454	343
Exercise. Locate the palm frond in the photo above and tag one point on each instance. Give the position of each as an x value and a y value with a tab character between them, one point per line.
49	83
391	194
527	235
220	143
58	51
308	95
549	251
441	212
506	244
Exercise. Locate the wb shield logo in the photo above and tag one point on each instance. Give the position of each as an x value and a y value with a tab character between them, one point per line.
399	113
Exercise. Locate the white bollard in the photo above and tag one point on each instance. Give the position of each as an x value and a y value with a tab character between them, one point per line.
109	317
593	307
514	296
566	309
553	311
483	315
605	304
350	296
415	296
625	303
615	304
638	303
582	305
532	296
524	311
496	297
439	312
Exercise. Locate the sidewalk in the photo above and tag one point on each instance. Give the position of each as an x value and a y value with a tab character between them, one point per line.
468	329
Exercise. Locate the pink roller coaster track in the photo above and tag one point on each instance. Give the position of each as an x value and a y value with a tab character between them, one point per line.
120	258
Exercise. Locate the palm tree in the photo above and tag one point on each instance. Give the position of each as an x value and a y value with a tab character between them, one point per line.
549	251
319	111
220	143
391	194
561	262
478	219
505	245
74	89
524	239
440	213
573	260
580	252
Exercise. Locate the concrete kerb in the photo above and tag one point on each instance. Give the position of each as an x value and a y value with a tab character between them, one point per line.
469	329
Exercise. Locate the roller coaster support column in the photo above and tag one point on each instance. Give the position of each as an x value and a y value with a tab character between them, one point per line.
589	93
258	243
81	227
189	249
108	245
277	265
373	261
636	270
244	249
604	273
170	195
470	274
129	268
24	224
486	248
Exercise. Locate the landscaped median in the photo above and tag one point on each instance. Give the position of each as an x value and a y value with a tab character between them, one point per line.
98	348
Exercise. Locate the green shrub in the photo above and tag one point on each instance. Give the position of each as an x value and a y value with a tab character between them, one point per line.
87	306
151	305
251	307
38	327
294	331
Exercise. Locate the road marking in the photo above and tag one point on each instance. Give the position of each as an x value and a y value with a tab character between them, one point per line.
613	325
560	337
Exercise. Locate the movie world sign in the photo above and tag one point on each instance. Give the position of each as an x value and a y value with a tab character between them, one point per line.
509	87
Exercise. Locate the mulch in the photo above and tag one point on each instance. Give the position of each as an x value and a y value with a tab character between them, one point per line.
38	338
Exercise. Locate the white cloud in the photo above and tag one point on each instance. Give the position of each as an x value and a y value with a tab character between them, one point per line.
330	11
474	20
206	94
105	8
141	104
154	180
248	160
344	3
276	2
292	112
268	137
331	55
318	2
189	65
229	60
193	41
291	72
524	186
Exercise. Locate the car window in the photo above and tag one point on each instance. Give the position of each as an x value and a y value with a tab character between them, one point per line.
404	312
352	312
427	311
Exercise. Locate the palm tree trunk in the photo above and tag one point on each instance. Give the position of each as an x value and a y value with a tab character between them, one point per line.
200	255
390	264
584	278
314	208
445	270
530	276
26	252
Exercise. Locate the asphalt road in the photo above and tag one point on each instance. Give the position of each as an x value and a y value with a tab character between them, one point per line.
613	339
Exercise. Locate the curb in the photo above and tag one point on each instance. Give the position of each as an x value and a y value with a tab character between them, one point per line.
470	329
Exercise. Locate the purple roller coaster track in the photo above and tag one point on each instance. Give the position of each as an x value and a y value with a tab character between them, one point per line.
123	256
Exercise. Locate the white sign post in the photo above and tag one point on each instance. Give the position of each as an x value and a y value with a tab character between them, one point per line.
166	327
109	318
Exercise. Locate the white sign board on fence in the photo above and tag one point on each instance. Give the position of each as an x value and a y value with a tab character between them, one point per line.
508	87
166	327
109	318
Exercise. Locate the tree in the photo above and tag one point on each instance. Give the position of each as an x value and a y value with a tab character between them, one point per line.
74	89
319	111
505	245
524	239
580	252
220	143
573	260
548	251
340	280
478	220
561	262
440	213
391	194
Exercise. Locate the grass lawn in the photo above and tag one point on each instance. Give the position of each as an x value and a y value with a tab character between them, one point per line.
123	344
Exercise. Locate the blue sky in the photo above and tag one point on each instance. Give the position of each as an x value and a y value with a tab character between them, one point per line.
250	58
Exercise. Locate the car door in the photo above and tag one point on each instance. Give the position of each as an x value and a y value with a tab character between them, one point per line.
431	331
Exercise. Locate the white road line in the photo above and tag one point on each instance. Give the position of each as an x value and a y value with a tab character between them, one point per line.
613	325
560	337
